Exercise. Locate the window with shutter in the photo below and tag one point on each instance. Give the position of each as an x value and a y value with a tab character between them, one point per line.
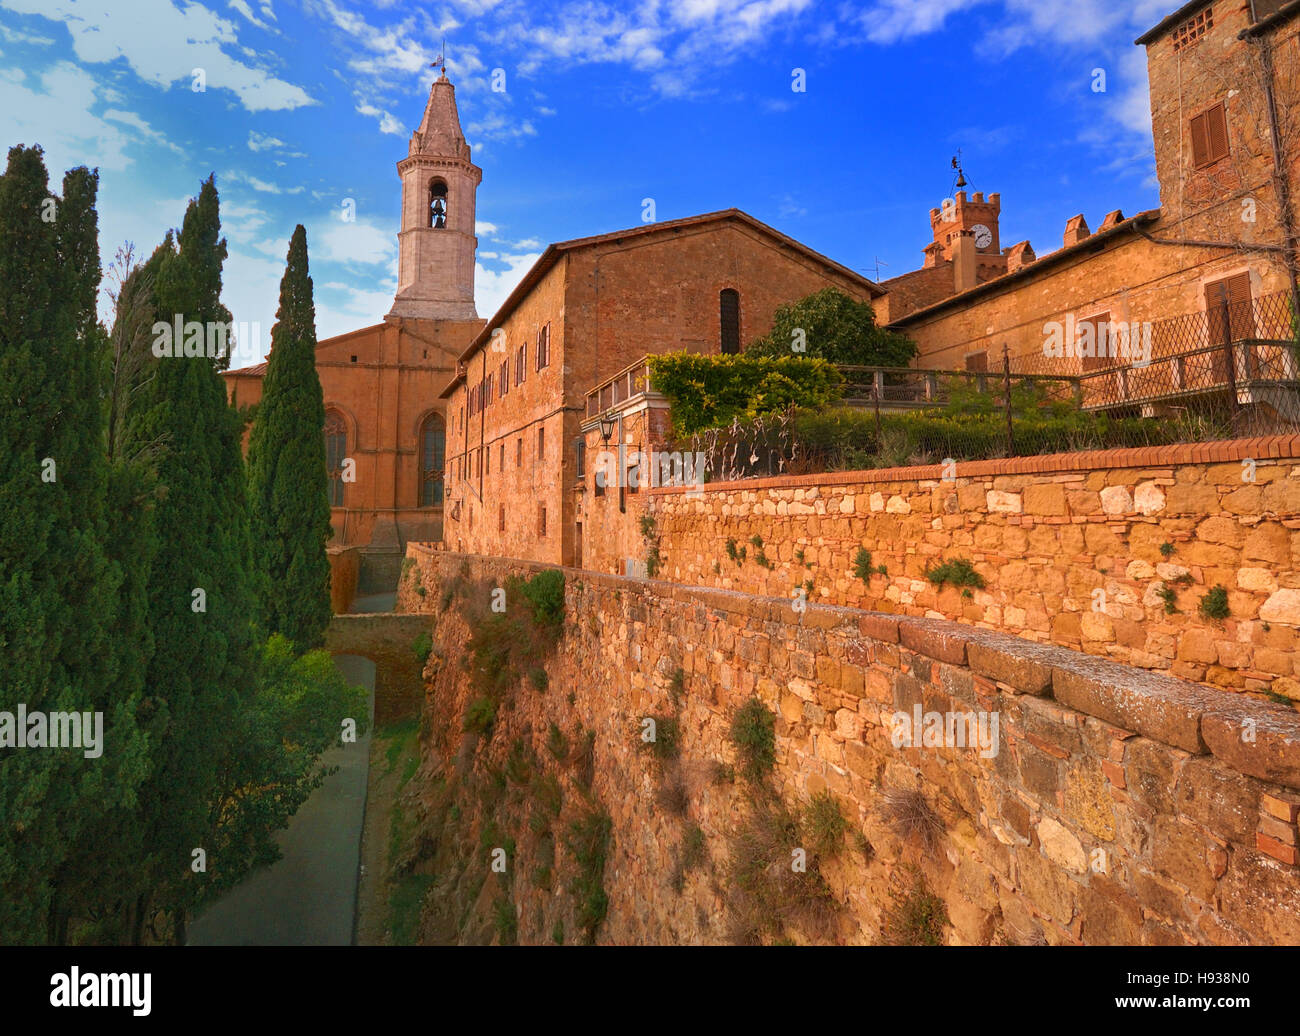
1099	327
1209	136
1228	309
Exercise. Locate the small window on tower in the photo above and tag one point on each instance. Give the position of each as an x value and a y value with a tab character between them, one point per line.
437	204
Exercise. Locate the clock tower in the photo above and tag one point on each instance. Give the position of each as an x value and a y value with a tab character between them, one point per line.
971	216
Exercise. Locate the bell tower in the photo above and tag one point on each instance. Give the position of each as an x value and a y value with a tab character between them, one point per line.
435	265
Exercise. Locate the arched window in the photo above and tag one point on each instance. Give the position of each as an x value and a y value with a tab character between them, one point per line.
433	449
336	449
437	204
729	313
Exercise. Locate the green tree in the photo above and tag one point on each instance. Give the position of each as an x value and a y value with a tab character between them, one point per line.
288	489
201	608
836	327
34	331
296	713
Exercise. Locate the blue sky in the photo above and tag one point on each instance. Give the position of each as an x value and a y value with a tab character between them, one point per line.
688	102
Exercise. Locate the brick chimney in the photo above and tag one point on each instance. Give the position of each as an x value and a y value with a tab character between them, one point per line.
1076	230
963	260
1019	255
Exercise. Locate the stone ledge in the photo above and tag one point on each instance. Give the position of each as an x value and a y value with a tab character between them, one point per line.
1273	755
1160	707
1276	447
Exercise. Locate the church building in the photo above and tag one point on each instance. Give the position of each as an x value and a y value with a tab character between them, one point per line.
383	384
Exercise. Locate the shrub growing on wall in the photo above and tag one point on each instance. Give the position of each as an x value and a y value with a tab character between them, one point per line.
709	391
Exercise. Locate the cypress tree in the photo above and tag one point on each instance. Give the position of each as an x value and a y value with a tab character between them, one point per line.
31	614
200	605
288	491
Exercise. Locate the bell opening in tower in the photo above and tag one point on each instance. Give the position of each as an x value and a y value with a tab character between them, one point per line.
437	204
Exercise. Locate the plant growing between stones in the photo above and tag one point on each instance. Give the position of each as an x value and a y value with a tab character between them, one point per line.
505	922
666	743
1166	549
587	839
766	892
825	825
916	918
862	567
909	814
1170	598
753	731
480	715
556	743
1214	604
422	646
957	572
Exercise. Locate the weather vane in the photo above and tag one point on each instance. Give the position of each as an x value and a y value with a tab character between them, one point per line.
961	175
440	62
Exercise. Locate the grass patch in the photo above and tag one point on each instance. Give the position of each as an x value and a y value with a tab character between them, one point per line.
862	566
955	572
909	815
1214	605
915	918
666	743
1170	598
753	731
481	715
505	921
422	646
405	900
588	838
767	892
824	824
556	743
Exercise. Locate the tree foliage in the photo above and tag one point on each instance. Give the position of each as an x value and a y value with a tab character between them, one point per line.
288	490
835	327
709	390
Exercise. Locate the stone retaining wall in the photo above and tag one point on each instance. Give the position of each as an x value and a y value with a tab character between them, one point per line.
1121	806
1075	549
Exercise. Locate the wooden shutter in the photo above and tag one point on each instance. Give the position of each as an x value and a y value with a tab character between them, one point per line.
977	362
1209	136
1200	140
1217	118
1100	343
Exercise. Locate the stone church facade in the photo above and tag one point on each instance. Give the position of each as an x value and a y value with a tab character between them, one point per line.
382	384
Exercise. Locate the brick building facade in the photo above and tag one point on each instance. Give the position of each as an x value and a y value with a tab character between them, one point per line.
1223	83
382	384
518	481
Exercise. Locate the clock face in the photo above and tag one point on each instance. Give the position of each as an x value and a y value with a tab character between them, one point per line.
983	235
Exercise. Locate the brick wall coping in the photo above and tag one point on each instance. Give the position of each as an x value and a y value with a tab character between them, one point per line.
1197	719
1271	447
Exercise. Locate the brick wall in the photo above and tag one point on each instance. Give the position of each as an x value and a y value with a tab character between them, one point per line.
608	304
1069	546
1119	806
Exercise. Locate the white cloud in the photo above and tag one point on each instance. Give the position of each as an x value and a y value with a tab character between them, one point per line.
164	43
483	227
261	142
144	129
53	109
242	7
387	123
491	287
358	242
